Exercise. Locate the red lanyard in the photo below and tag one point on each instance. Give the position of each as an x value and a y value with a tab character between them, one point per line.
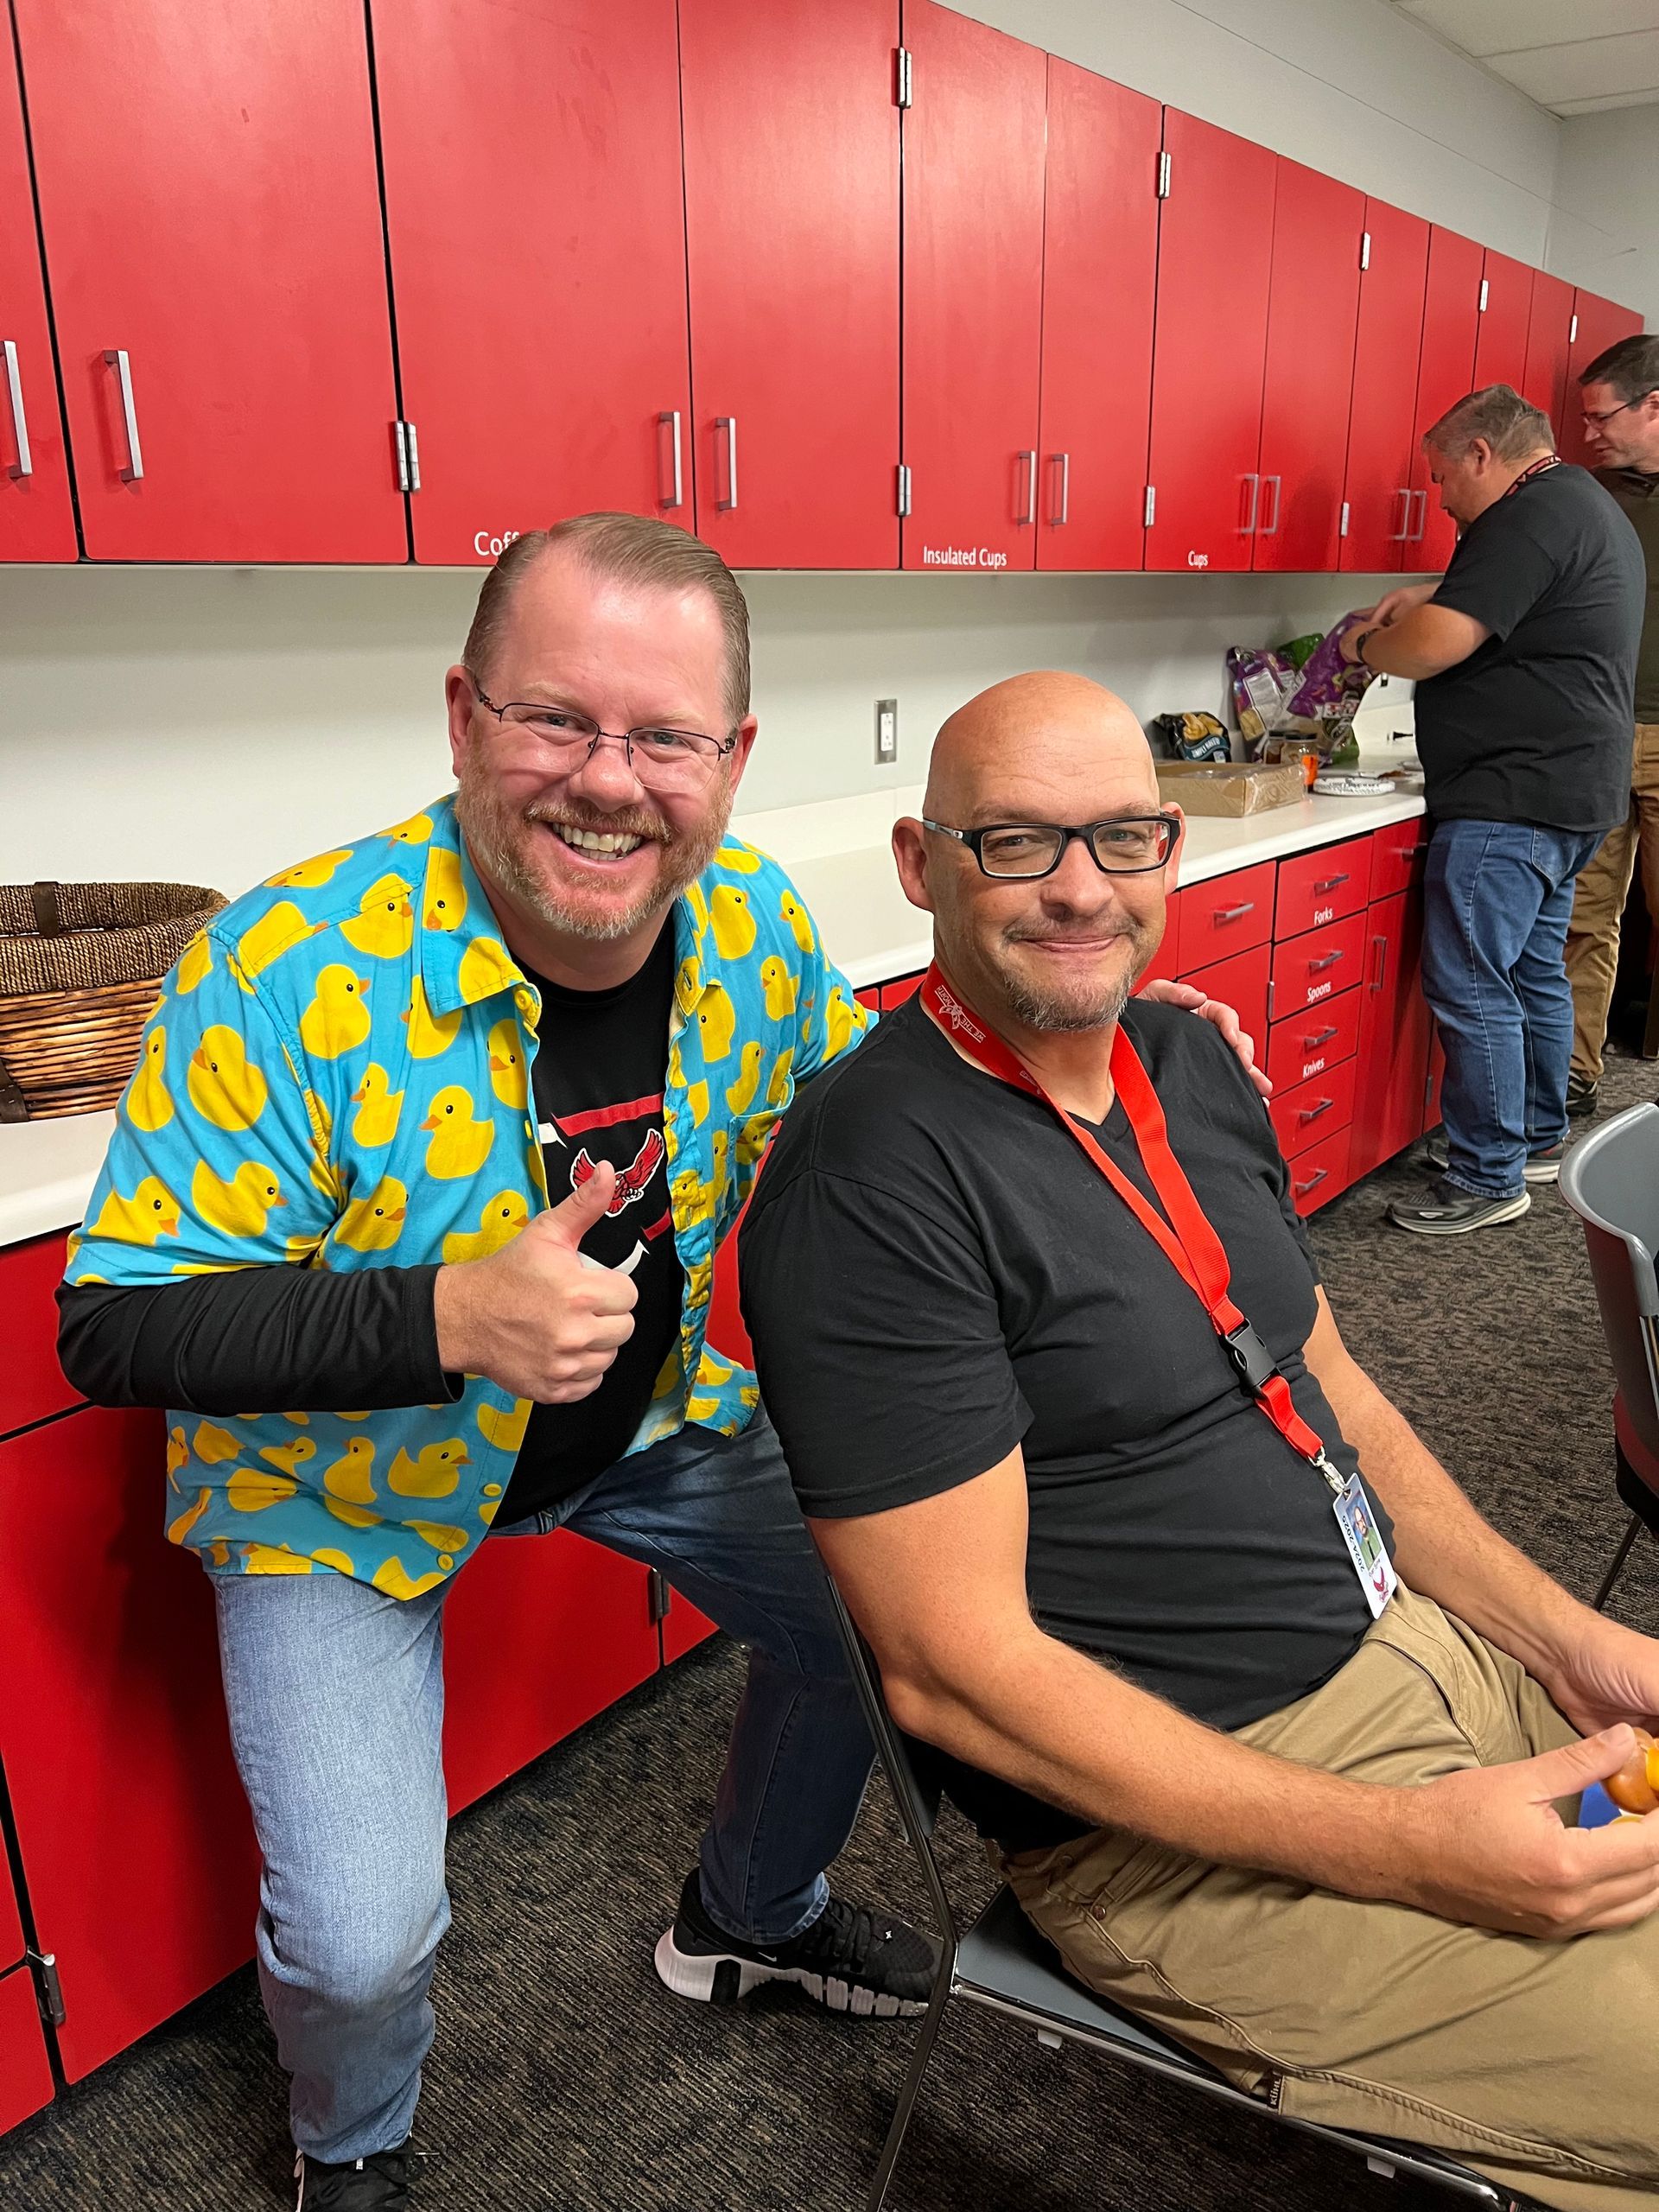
1186	1239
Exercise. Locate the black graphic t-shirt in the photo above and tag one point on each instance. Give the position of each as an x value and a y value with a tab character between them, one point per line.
598	1074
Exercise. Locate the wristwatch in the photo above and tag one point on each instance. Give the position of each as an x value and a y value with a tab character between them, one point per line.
1362	641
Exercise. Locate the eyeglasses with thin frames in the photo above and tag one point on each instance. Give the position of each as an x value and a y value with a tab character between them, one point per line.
665	757
1122	844
1594	422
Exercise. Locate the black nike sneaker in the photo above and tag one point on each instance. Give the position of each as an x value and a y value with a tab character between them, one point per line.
847	1960
376	2183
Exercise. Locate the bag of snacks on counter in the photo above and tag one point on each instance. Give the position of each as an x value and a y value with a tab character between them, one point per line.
1330	687
1261	684
1191	737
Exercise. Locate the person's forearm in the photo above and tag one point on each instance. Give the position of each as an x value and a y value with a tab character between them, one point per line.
1407	647
256	1340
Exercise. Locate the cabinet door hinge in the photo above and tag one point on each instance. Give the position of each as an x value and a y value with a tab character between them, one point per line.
1364	249
1342	527
1573	332
902	81
1163	177
409	456
1149	512
1486	292
48	1990
662	1597
904	488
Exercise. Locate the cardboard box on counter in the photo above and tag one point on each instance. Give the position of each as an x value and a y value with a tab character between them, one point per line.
1229	787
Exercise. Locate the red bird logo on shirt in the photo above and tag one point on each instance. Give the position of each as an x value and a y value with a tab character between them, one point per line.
631	1181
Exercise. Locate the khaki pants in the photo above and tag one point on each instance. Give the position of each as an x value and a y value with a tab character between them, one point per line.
1593	933
1537	2063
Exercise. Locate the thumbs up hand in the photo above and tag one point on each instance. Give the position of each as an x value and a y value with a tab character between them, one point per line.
536	1318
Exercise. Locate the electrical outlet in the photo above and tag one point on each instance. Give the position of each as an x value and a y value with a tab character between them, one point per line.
887	730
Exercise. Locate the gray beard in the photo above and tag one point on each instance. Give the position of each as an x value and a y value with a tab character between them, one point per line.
1030	1008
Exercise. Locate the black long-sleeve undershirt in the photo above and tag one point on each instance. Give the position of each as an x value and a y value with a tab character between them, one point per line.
257	1340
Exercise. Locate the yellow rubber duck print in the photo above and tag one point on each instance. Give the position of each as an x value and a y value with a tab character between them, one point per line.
151	1211
460	1145
428	1033
178	1451
486	967
272	935
502	1217
148	1101
778	1088
273	1559
341	1563
350	1476
225	1087
375	1222
697	1097
312	874
337	1020
415	831
290	1457
780	986
504	1426
739	859
840	1018
238	1207
394	1579
378	1106
213	1444
195	961
717	1019
252	1490
733	923
799	920
443	906
383	928
740	1095
508	1075
433	1472
439	1535
179	1529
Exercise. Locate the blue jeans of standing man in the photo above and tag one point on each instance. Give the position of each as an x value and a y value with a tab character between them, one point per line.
1497	902
335	1694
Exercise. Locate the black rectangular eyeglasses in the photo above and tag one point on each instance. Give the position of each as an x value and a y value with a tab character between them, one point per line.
1125	844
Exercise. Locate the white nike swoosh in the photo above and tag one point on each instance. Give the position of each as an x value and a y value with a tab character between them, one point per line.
626	1267
549	1133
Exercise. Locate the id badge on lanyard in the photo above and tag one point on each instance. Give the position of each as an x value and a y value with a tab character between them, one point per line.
1188	1243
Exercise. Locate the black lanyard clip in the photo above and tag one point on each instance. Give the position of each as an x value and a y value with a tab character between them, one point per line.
1255	1363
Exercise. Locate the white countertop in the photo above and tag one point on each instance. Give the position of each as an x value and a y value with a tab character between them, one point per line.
837	853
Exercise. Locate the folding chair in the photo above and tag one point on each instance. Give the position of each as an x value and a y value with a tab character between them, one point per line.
1610	1179
1002	1962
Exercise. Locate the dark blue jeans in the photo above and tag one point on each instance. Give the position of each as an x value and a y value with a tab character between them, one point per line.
1497	902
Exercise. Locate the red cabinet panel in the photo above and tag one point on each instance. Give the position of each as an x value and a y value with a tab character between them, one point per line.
1394	1035
791	210
1445	370
540	1633
1322	885
1215	257
32	1384
1399	854
535	213
1309	1111
1596	325
25	2070
1501	334
1165	963
1320	1172
1305	1045
1317	965
870	996
1313	305
1380	442
973	291
11	1927
1544	382
136	1844
894	995
210	208
37	521
1241	983
1100	275
1226	915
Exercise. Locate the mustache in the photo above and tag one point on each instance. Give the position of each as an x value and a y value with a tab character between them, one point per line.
627	821
1031	934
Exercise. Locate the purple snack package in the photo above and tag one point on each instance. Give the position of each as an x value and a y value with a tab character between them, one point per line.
1330	686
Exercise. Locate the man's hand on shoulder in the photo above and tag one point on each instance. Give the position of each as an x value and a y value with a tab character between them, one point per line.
1223	1018
536	1318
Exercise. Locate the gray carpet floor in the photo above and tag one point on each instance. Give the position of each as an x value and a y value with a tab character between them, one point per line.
564	2076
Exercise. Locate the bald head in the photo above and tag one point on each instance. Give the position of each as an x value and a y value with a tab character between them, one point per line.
1021	741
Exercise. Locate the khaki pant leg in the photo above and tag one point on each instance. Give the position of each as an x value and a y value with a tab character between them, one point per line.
1592	942
1537	2063
1644	794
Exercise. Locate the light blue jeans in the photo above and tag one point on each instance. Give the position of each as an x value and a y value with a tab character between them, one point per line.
335	1694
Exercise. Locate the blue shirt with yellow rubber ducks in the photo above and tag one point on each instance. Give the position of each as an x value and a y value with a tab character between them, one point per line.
337	1077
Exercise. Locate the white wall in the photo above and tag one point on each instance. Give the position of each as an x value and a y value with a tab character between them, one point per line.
1605	231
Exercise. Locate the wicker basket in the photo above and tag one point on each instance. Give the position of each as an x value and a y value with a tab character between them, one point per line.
80	964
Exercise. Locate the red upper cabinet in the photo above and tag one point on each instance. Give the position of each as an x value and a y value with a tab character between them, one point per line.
1445	370
538	236
211	209
1215	258
37	521
1548	325
1100	280
1312	307
973	231
791	211
1596	325
1380	444
1504	306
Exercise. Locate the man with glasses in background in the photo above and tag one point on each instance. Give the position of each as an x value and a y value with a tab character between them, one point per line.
1619	396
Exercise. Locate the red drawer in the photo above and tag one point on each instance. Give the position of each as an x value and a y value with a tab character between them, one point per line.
1397	856
1325	886
25	2071
894	995
1317	1038
1165	963
1309	1112
1227	915
1241	983
1319	964
1320	1172
32	1384
870	996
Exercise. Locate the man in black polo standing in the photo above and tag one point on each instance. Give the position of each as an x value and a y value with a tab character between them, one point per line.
1524	657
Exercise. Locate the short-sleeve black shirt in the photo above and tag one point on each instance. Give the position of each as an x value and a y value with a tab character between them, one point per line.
1537	724
934	1273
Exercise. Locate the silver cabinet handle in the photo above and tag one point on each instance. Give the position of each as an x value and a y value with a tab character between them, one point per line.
1422	517
1247	528
1312	1113
1271	529
1233	913
1061	464
670	421
1318	967
728	424
115	357
24	465
1331	882
1027	487
1312	1182
1398	536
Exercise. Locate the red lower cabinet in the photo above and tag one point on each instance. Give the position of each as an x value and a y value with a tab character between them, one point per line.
1394	1035
1308	1112
1241	983
11	1927
25	2071
32	1384
1320	1037
1321	1172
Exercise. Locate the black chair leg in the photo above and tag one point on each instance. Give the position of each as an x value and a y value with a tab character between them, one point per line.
1621	1554
912	2082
